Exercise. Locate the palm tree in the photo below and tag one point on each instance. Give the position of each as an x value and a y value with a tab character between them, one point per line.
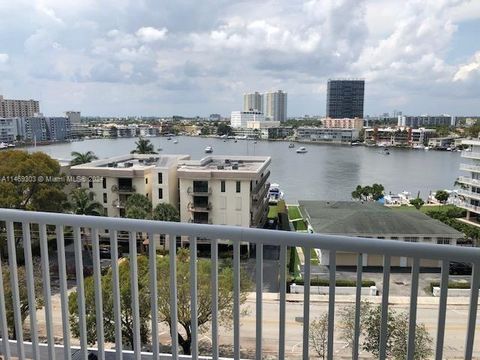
82	203
143	147
82	158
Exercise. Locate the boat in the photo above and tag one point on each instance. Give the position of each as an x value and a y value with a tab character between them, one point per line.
169	138
291	146
301	150
175	141
208	149
274	194
3	146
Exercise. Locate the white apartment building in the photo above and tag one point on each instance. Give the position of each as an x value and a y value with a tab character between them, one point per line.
253	101
224	190
8	130
18	108
239	119
114	179
74	117
343	123
276	105
469	195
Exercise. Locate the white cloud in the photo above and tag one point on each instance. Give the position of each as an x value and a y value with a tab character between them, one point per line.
466	71
150	34
3	58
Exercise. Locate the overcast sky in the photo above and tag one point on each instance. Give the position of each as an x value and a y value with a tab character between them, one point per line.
154	57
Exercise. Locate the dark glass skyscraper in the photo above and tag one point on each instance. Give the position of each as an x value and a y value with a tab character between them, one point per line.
345	99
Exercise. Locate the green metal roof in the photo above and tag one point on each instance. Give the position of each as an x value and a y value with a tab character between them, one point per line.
371	219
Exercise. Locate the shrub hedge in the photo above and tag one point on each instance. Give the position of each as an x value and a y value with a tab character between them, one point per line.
340	282
451	285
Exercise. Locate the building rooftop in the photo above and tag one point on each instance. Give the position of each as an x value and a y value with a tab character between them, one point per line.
371	219
248	165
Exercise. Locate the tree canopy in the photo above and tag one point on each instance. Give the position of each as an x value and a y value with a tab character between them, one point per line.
26	182
143	146
442	196
166	212
138	206
82	158
204	301
368	193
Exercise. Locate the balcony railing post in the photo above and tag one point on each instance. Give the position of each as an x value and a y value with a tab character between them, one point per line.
214	276
3	316
134	289
62	275
236	300
442	310
46	289
413	310
194	295
82	323
12	262
173	295
116	292
258	301
384	318
32	308
358	306
306	301
152	261
472	311
332	264
97	277
283	291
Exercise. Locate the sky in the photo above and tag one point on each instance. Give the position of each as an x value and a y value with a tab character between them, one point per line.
163	57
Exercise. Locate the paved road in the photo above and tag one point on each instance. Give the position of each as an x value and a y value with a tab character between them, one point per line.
427	313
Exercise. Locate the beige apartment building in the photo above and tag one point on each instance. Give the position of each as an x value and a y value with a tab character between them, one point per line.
114	179
224	190
219	190
18	108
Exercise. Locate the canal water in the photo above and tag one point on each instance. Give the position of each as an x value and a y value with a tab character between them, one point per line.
325	172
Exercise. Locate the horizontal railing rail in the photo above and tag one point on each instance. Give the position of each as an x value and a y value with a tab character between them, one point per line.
39	225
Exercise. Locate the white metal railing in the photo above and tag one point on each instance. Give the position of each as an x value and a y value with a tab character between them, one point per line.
469	181
469	194
10	221
471	154
468	167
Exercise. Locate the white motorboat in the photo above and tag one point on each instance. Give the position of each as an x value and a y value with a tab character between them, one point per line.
175	141
302	150
208	150
274	194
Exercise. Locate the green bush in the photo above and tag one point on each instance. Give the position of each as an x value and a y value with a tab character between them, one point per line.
340	282
451	285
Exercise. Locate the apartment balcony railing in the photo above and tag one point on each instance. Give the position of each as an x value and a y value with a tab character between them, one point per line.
11	219
258	196
199	207
465	205
471	154
258	187
469	194
126	189
469	181
468	167
199	191
200	221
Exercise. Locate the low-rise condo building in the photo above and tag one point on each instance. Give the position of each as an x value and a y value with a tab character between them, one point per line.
224	190
399	136
331	135
115	179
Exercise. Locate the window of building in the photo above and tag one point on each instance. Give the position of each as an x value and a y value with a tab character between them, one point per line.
222	186
411	239
443	241
104	183
160	178
105	198
105	213
223	202
90	183
146	180
238	187
160	193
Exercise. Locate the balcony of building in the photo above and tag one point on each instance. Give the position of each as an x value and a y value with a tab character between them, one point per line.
199	188
199	204
469	181
470	154
470	167
47	333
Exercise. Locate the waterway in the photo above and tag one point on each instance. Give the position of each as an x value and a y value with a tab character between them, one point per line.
325	172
